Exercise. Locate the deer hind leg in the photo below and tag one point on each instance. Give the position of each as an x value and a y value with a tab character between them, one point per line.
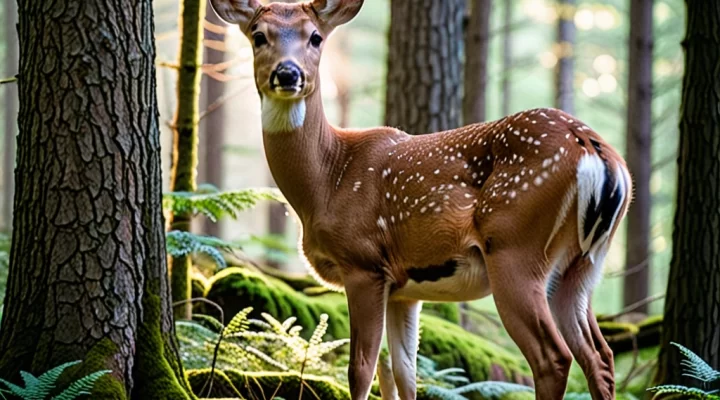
367	295
570	303
402	334
518	287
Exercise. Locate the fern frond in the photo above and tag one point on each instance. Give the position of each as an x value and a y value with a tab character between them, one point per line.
214	204
492	389
684	391
239	323
577	396
80	387
441	393
320	330
208	322
181	244
47	381
696	367
266	358
31	383
15	389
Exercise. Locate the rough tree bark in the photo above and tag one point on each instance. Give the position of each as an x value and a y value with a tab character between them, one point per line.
88	276
477	43
10	114
692	305
424	79
212	135
185	129
565	68
639	160
507	57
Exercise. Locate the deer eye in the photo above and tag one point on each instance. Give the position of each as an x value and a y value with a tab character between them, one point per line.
259	39
315	39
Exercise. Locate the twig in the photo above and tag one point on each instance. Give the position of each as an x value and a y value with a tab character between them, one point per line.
632	307
8	80
629	271
302	372
167	64
217	345
482	314
221	101
636	354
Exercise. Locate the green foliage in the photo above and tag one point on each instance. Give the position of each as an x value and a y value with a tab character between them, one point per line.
181	244
694	367
4	250
213	204
39	388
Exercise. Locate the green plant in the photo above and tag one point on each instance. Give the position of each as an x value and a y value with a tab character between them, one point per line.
39	388
213	204
693	367
179	244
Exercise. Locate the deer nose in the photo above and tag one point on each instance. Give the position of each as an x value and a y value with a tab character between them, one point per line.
287	74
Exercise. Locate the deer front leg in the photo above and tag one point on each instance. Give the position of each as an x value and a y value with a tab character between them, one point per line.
402	333
367	295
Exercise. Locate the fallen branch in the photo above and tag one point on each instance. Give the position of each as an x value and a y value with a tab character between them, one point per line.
8	80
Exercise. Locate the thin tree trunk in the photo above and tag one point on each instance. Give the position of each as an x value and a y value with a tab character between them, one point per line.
424	80
565	68
212	137
639	160
477	43
10	114
507	57
692	305
88	276
185	126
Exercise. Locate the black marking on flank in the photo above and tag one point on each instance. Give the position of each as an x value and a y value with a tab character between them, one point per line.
488	245
596	145
433	273
605	207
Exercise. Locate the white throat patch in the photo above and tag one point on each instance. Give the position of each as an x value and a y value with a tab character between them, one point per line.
282	115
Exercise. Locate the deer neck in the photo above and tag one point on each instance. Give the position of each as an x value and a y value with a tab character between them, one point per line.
302	150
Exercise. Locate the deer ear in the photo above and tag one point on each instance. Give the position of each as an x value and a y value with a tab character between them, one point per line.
336	12
239	12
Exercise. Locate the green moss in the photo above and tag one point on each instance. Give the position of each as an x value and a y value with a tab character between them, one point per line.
100	357
451	346
156	372
236	288
447	311
651	322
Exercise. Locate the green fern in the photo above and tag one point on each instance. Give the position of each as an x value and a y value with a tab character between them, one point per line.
181	244
39	388
213	204
488	390
693	367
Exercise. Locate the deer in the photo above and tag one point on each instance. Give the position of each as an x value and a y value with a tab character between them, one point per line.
523	208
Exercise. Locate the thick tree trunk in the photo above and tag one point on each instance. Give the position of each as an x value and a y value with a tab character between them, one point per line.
639	135
692	305
424	80
565	68
185	126
212	135
10	115
88	276
477	43
507	57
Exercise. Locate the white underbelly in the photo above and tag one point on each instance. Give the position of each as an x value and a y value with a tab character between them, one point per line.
469	282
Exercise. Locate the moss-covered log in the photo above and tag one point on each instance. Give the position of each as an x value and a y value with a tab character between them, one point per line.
185	129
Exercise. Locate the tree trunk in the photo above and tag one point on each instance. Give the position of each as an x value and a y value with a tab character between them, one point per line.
212	136
477	43
507	57
692	305
639	134
185	127
88	276
10	114
565	69
424	80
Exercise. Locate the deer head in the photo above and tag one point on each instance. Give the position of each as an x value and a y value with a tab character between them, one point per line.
287	40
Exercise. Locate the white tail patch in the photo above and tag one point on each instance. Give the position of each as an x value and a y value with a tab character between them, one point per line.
282	115
590	178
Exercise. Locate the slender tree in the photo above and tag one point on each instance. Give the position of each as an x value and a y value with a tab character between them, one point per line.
88	275
185	129
565	68
692	305
639	133
477	41
212	136
507	57
424	79
10	114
